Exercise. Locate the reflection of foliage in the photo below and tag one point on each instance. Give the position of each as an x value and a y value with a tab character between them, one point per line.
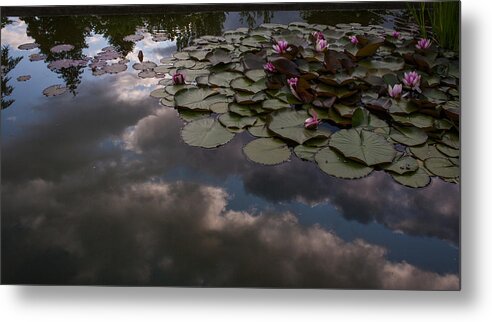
333	17
8	63
51	31
251	17
5	21
184	28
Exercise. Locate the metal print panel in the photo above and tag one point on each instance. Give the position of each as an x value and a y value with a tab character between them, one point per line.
285	146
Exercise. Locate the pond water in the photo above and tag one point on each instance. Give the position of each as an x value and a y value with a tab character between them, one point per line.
98	186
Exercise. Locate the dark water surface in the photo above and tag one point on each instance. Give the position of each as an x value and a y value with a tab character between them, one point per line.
99	188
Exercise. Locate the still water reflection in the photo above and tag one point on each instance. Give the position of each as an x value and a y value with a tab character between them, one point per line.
98	187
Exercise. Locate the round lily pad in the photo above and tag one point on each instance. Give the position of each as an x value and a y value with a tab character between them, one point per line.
195	98
289	124
133	38
307	153
115	68
363	146
409	136
442	167
335	164
28	46
145	65
417	179
62	48
37	57
23	78
268	151
54	90
206	133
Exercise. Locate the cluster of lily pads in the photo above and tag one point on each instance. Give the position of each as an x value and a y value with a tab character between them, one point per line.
108	61
351	98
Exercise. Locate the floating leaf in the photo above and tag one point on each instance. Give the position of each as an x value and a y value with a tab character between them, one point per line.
23	78
54	90
409	136
206	133
133	38
259	129
274	104
363	146
289	124
268	151
417	179
335	164
442	167
28	46
403	165
246	85
223	79
195	98
454	153
307	153
62	48
418	120
231	120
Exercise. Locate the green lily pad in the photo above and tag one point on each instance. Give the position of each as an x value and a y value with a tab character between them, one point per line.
442	167
218	56
206	133
231	120
268	151
190	115
454	153
335	164
222	79
403	165
274	104
417	179
289	124
259	129
255	74
195	98
409	136
363	146
389	62
451	139
419	120
245	85
426	151
307	153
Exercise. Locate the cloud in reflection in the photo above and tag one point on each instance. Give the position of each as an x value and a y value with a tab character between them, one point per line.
182	234
432	211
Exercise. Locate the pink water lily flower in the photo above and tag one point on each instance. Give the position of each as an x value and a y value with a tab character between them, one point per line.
354	40
312	122
321	45
318	35
423	43
412	80
396	34
293	86
281	47
269	67
395	91
178	79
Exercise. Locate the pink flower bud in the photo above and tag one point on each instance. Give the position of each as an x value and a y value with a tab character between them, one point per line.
269	67
423	43
395	91
178	79
281	47
321	45
354	40
412	80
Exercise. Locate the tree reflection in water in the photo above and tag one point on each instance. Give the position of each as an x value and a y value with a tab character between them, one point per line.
8	64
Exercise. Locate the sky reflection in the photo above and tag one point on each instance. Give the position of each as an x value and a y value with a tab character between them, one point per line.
99	188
